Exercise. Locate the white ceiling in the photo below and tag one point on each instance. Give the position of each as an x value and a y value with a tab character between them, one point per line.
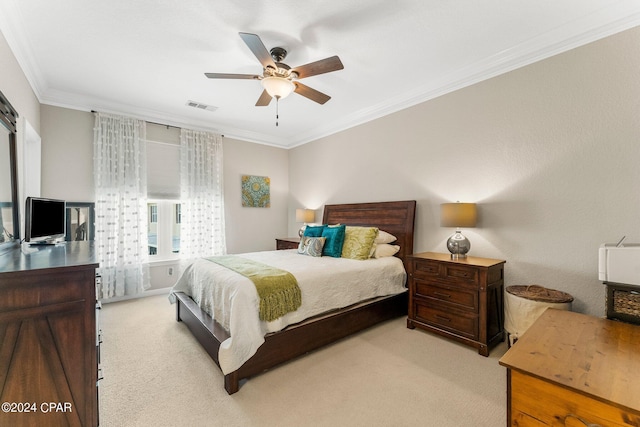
147	58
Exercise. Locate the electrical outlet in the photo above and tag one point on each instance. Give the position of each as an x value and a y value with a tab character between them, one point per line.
170	271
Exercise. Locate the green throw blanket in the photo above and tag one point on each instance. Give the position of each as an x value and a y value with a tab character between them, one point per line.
278	289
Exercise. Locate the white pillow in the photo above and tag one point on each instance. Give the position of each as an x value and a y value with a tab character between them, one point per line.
385	250
384	237
311	246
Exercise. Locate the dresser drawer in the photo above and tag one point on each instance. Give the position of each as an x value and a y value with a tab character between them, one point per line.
426	269
464	325
554	405
453	273
466	299
462	274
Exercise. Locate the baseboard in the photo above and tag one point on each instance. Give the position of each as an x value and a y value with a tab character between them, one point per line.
147	293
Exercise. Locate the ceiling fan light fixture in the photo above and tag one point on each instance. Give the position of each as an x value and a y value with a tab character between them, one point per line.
278	87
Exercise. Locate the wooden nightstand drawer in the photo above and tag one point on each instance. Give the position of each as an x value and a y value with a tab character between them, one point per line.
454	322
426	269
460	274
461	298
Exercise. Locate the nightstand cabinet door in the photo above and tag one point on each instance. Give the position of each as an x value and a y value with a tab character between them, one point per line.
459	299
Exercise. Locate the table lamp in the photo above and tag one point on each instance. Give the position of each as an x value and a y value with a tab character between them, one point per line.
305	216
458	215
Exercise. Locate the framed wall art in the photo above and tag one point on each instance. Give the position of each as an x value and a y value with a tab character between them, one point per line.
256	191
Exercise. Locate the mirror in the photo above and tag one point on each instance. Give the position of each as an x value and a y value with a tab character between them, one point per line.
80	221
9	223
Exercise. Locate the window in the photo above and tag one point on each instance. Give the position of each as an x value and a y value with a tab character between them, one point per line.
153	213
163	192
163	229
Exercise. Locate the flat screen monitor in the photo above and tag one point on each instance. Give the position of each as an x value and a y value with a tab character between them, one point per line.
44	220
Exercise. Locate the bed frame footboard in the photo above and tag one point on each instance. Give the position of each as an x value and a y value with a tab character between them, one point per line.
293	341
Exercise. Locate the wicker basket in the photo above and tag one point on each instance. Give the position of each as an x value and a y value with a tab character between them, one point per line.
524	304
540	294
623	302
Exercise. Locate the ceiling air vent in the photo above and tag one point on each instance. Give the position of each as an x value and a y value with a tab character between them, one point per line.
201	106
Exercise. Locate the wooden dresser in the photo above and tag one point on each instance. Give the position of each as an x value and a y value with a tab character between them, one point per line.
570	369
48	345
287	243
460	299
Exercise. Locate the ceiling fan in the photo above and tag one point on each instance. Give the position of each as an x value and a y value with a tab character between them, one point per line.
278	79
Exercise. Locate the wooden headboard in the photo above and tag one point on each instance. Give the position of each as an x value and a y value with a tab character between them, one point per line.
396	218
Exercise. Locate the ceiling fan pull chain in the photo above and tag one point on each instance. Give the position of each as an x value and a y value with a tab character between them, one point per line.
277	104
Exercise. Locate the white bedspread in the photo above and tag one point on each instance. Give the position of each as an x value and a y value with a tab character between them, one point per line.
326	283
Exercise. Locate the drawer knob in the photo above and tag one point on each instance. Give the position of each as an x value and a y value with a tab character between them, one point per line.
445	319
442	295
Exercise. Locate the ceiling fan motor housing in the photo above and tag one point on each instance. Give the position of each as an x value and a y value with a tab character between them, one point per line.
278	53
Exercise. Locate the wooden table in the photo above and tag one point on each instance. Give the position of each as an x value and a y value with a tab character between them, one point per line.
573	369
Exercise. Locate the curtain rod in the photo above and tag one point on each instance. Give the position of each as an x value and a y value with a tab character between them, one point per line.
159	124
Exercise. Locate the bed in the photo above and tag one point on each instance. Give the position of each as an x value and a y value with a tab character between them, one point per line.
396	218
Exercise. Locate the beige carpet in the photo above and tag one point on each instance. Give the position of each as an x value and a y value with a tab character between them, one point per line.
156	374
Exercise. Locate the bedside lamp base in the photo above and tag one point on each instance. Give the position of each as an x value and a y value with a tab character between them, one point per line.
458	245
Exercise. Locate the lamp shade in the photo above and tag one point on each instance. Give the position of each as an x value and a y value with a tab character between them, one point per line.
458	215
305	215
278	87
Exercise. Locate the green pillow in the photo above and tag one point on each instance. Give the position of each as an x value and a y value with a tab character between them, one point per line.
358	242
335	239
314	230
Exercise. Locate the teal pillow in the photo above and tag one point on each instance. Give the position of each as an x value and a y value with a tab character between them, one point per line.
314	230
335	239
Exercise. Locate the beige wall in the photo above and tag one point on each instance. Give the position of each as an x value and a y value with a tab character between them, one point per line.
550	153
16	87
67	154
254	229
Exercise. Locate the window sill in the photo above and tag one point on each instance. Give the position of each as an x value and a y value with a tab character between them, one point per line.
163	261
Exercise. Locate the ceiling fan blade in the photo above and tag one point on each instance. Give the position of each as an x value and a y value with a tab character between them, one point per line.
264	99
319	67
231	76
312	94
257	47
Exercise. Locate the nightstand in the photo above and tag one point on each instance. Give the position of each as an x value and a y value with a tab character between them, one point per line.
461	299
287	243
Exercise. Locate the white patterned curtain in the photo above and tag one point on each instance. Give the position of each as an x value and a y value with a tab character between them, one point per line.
121	204
201	195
